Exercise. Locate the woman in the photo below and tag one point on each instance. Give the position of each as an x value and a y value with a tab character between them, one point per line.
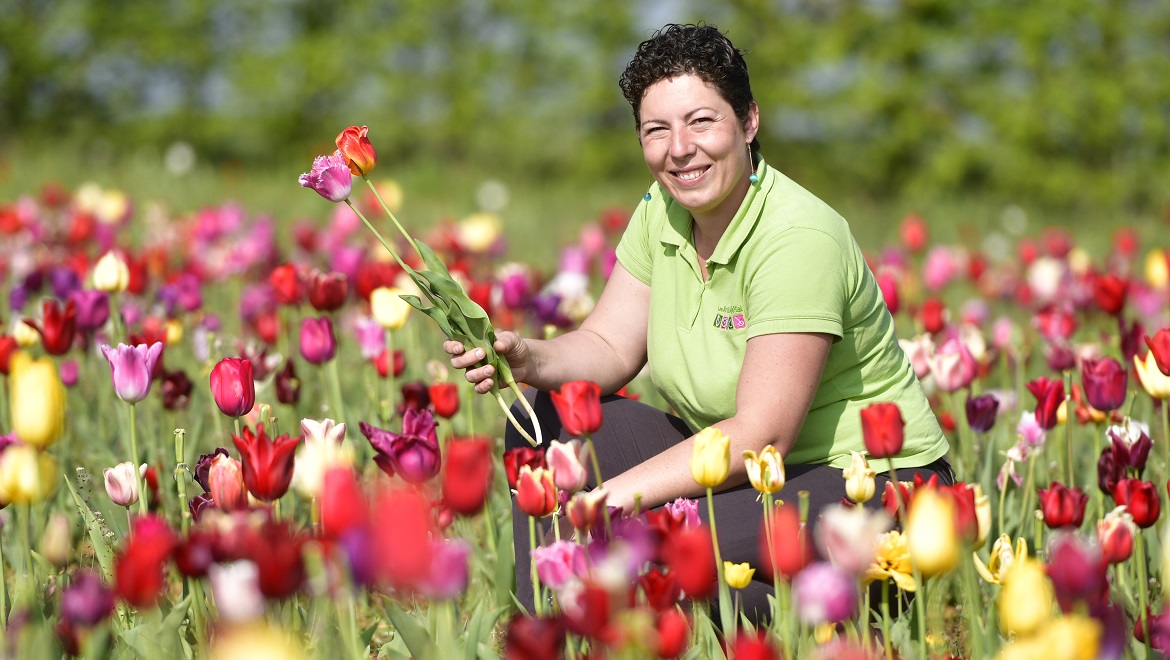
750	301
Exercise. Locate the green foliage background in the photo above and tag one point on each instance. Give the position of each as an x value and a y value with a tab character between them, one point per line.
1063	103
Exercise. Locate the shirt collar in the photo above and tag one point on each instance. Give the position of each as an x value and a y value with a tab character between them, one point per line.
677	230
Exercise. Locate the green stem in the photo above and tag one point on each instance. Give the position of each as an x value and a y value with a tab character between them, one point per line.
527	408
1142	587
181	480
1029	484
516	424
142	489
1069	420
889	649
391	386
726	616
1002	499
4	403
1166	437
3	595
536	604
335	389
386	208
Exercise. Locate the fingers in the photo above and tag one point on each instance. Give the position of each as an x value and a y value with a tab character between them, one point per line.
478	375
484	386
452	347
465	360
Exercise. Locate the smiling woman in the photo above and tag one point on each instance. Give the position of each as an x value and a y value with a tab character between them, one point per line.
751	304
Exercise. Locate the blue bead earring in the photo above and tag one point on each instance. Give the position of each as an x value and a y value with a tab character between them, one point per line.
646	196
753	178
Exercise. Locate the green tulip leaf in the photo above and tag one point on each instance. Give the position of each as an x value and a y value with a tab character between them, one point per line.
101	549
435	313
414	634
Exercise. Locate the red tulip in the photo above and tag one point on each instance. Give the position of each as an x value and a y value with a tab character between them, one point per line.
691	558
1049	395
933	314
673	634
789	543
889	287
138	571
232	386
1105	381
1109	291
536	494
758	647
468	476
1115	535
268	463
8	346
401	531
382	363
914	233
343	506
1062	506
966	522
518	457
57	326
327	291
661	589
530	638
357	150
578	403
881	427
890	498
590	615
1140	498
277	552
1055	322
445	399
1159	344
1078	573
286	284
373	275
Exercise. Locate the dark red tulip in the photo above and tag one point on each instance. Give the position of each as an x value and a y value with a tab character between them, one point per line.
268	463
57	327
1077	571
1059	355
415	394
232	386
1105	383
327	291
203	467
1109	291
1159	344
382	363
138	570
981	412
8	346
661	589
1049	395
1140	498
286	284
199	504
86	601
690	557
881	428
1130	447
288	386
530	638
93	309
1130	337
1109	471
468	476
518	457
278	554
578	404
1062	506
933	314
412	454
789	543
176	390
195	554
445	399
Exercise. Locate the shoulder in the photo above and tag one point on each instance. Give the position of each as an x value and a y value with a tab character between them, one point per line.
790	208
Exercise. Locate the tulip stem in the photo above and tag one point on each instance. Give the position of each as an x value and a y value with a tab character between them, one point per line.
134	457
1069	416
885	620
4	417
3	596
1029	482
1143	586
769	507
391	388
512	419
335	388
1166	437
536	599
726	616
597	475
386	208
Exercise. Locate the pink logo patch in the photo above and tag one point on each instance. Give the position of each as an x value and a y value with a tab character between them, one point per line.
738	321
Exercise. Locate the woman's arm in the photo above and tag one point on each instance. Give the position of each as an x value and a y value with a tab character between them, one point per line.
776	385
609	348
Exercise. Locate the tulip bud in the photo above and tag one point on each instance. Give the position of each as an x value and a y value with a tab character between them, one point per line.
766	471
1116	533
357	150
859	479
738	576
930	531
111	274
584	507
57	540
536	494
388	307
122	484
37	400
578	404
226	479
25	335
568	461
711	457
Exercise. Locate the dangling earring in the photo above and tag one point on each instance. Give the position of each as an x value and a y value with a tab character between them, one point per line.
751	158
647	195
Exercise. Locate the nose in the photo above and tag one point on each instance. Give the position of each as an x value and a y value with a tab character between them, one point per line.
681	145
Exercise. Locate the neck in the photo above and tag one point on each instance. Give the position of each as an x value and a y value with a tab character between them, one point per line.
710	225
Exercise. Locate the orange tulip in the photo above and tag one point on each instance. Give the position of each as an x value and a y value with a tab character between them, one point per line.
357	150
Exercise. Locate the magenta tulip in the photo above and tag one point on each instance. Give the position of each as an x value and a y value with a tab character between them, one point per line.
131	368
318	344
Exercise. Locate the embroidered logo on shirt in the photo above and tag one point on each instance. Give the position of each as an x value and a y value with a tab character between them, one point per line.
730	318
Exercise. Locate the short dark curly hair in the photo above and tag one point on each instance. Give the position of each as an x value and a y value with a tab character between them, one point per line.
701	50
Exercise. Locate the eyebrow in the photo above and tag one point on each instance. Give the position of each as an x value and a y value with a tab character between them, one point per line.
686	116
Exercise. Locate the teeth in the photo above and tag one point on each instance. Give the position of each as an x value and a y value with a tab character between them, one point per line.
690	176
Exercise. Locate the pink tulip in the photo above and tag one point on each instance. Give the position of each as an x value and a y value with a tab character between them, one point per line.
568	461
131	368
449	569
318	344
122	484
952	366
329	178
918	351
556	563
226	478
940	267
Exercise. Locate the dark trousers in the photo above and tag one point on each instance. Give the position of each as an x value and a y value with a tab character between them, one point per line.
633	432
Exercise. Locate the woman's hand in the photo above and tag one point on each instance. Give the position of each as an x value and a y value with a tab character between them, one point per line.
508	344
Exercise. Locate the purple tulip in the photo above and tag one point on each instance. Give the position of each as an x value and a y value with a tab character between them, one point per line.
318	345
1130	445
824	594
131	368
63	282
329	178
86	601
93	309
69	373
203	467
981	412
412	454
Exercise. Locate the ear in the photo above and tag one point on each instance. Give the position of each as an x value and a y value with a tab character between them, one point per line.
752	125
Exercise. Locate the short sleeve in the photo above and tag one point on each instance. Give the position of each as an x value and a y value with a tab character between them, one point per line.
633	250
800	284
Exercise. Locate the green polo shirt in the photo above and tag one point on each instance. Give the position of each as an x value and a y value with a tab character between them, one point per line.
787	263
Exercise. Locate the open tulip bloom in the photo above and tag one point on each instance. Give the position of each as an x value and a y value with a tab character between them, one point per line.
457	315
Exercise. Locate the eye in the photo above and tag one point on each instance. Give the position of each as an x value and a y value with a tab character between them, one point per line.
702	121
653	130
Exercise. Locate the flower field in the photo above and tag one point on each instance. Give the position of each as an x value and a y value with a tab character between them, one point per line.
220	442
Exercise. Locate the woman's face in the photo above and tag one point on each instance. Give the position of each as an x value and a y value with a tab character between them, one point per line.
695	146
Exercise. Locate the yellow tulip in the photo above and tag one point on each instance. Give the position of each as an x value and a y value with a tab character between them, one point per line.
766	471
930	528
174	332
711	458
479	231
737	576
253	641
859	484
37	400
1001	560
111	274
1154	382
389	309
982	515
892	561
26	475
1075	637
1025	602
25	335
1157	269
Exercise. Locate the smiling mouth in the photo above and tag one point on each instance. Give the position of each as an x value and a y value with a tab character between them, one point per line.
687	176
